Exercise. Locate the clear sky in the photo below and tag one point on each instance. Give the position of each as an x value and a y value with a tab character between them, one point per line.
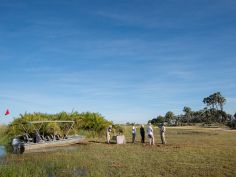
130	60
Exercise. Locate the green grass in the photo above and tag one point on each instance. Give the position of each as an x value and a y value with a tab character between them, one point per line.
191	151
3	138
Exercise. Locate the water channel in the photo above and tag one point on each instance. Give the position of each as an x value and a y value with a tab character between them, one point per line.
2	151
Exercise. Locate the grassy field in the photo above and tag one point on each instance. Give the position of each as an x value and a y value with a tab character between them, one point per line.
191	151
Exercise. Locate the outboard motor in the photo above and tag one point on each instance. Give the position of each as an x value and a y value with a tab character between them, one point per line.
18	146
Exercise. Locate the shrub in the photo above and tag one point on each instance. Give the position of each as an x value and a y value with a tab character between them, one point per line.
232	124
88	121
119	129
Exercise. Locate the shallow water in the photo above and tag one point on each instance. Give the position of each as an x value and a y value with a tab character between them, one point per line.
2	151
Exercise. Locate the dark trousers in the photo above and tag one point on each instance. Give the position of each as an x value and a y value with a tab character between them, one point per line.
142	138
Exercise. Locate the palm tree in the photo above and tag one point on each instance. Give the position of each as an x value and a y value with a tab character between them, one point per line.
208	101
215	100
220	100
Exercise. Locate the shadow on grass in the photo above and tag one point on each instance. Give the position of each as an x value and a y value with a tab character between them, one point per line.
100	142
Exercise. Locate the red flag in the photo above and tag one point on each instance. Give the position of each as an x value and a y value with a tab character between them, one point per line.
7	112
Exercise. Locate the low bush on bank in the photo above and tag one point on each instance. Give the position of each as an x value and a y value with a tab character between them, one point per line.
3	138
87	123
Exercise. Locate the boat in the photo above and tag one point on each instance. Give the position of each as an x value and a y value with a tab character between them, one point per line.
24	143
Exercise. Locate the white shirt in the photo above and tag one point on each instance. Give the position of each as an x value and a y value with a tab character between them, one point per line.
149	130
133	130
15	142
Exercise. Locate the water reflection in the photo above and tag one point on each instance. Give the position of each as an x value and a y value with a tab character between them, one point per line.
2	151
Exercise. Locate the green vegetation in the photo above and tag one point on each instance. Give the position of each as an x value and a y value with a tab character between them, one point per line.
215	100
191	151
89	124
169	116
3	138
232	124
212	113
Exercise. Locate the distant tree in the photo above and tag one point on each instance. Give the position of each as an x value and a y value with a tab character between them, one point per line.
208	101
235	115
153	121
169	116
220	100
180	119
197	116
232	124
157	120
206	114
188	113
215	100
127	123
160	119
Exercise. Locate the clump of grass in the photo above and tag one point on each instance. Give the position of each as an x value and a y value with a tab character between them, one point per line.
4	139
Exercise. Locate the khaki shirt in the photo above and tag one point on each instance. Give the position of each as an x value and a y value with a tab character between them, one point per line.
163	129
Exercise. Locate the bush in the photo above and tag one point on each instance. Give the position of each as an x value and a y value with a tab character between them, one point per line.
94	123
118	129
232	124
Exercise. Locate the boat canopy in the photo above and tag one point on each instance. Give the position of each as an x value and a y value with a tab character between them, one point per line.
38	124
50	121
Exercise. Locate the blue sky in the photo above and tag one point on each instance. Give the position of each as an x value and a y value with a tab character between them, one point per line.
129	60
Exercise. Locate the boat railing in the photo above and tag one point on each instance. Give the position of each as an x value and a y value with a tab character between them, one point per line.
37	125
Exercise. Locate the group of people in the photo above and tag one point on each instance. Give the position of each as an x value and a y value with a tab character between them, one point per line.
150	133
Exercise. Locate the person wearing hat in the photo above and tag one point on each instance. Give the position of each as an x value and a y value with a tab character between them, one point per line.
142	133
162	133
109	129
150	134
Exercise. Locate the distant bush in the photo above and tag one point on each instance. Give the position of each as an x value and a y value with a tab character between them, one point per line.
232	124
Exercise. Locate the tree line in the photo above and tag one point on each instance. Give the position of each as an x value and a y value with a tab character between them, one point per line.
212	113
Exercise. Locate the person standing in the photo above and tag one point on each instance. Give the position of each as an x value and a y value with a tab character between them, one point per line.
162	133
150	134
142	133
109	129
133	134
